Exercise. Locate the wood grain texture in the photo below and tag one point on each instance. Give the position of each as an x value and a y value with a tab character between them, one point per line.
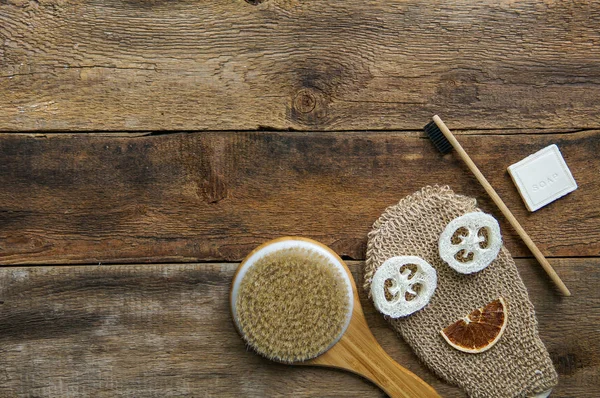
215	196
310	65
165	330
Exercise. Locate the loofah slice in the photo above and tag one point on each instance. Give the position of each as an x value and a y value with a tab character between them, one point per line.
408	282
470	242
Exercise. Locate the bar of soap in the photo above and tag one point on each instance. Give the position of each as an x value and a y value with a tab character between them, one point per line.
542	178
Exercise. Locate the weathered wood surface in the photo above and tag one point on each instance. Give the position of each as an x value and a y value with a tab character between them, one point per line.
165	330
215	196
313	65
510	77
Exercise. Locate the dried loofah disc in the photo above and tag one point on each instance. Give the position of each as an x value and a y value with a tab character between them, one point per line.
403	285
293	304
470	242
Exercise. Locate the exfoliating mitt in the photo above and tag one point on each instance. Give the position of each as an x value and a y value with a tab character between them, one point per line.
517	364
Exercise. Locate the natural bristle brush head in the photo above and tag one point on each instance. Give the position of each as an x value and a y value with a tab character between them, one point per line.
291	299
437	137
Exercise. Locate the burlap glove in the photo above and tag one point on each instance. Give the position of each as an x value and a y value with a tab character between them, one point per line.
518	365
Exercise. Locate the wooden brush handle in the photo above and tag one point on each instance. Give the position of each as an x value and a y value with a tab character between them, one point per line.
358	352
509	216
397	381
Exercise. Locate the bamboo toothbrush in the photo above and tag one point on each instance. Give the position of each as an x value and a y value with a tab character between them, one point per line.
294	301
444	141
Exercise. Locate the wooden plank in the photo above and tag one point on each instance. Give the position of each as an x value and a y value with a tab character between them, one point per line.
312	65
215	196
165	330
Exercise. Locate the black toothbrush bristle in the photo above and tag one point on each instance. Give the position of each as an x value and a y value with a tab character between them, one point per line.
437	137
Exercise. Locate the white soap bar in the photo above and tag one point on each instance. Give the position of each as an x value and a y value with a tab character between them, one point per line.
542	178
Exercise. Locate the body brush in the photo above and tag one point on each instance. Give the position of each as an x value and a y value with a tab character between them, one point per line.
294	301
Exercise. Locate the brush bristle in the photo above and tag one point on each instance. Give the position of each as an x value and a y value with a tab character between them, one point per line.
292	305
437	137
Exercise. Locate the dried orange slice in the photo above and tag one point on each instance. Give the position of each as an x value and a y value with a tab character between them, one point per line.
480	330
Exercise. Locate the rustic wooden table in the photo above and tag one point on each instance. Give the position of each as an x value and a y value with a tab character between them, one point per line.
147	146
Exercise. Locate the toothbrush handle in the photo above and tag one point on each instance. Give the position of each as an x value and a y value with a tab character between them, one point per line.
498	201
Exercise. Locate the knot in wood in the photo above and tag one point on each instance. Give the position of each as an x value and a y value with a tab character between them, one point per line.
304	101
